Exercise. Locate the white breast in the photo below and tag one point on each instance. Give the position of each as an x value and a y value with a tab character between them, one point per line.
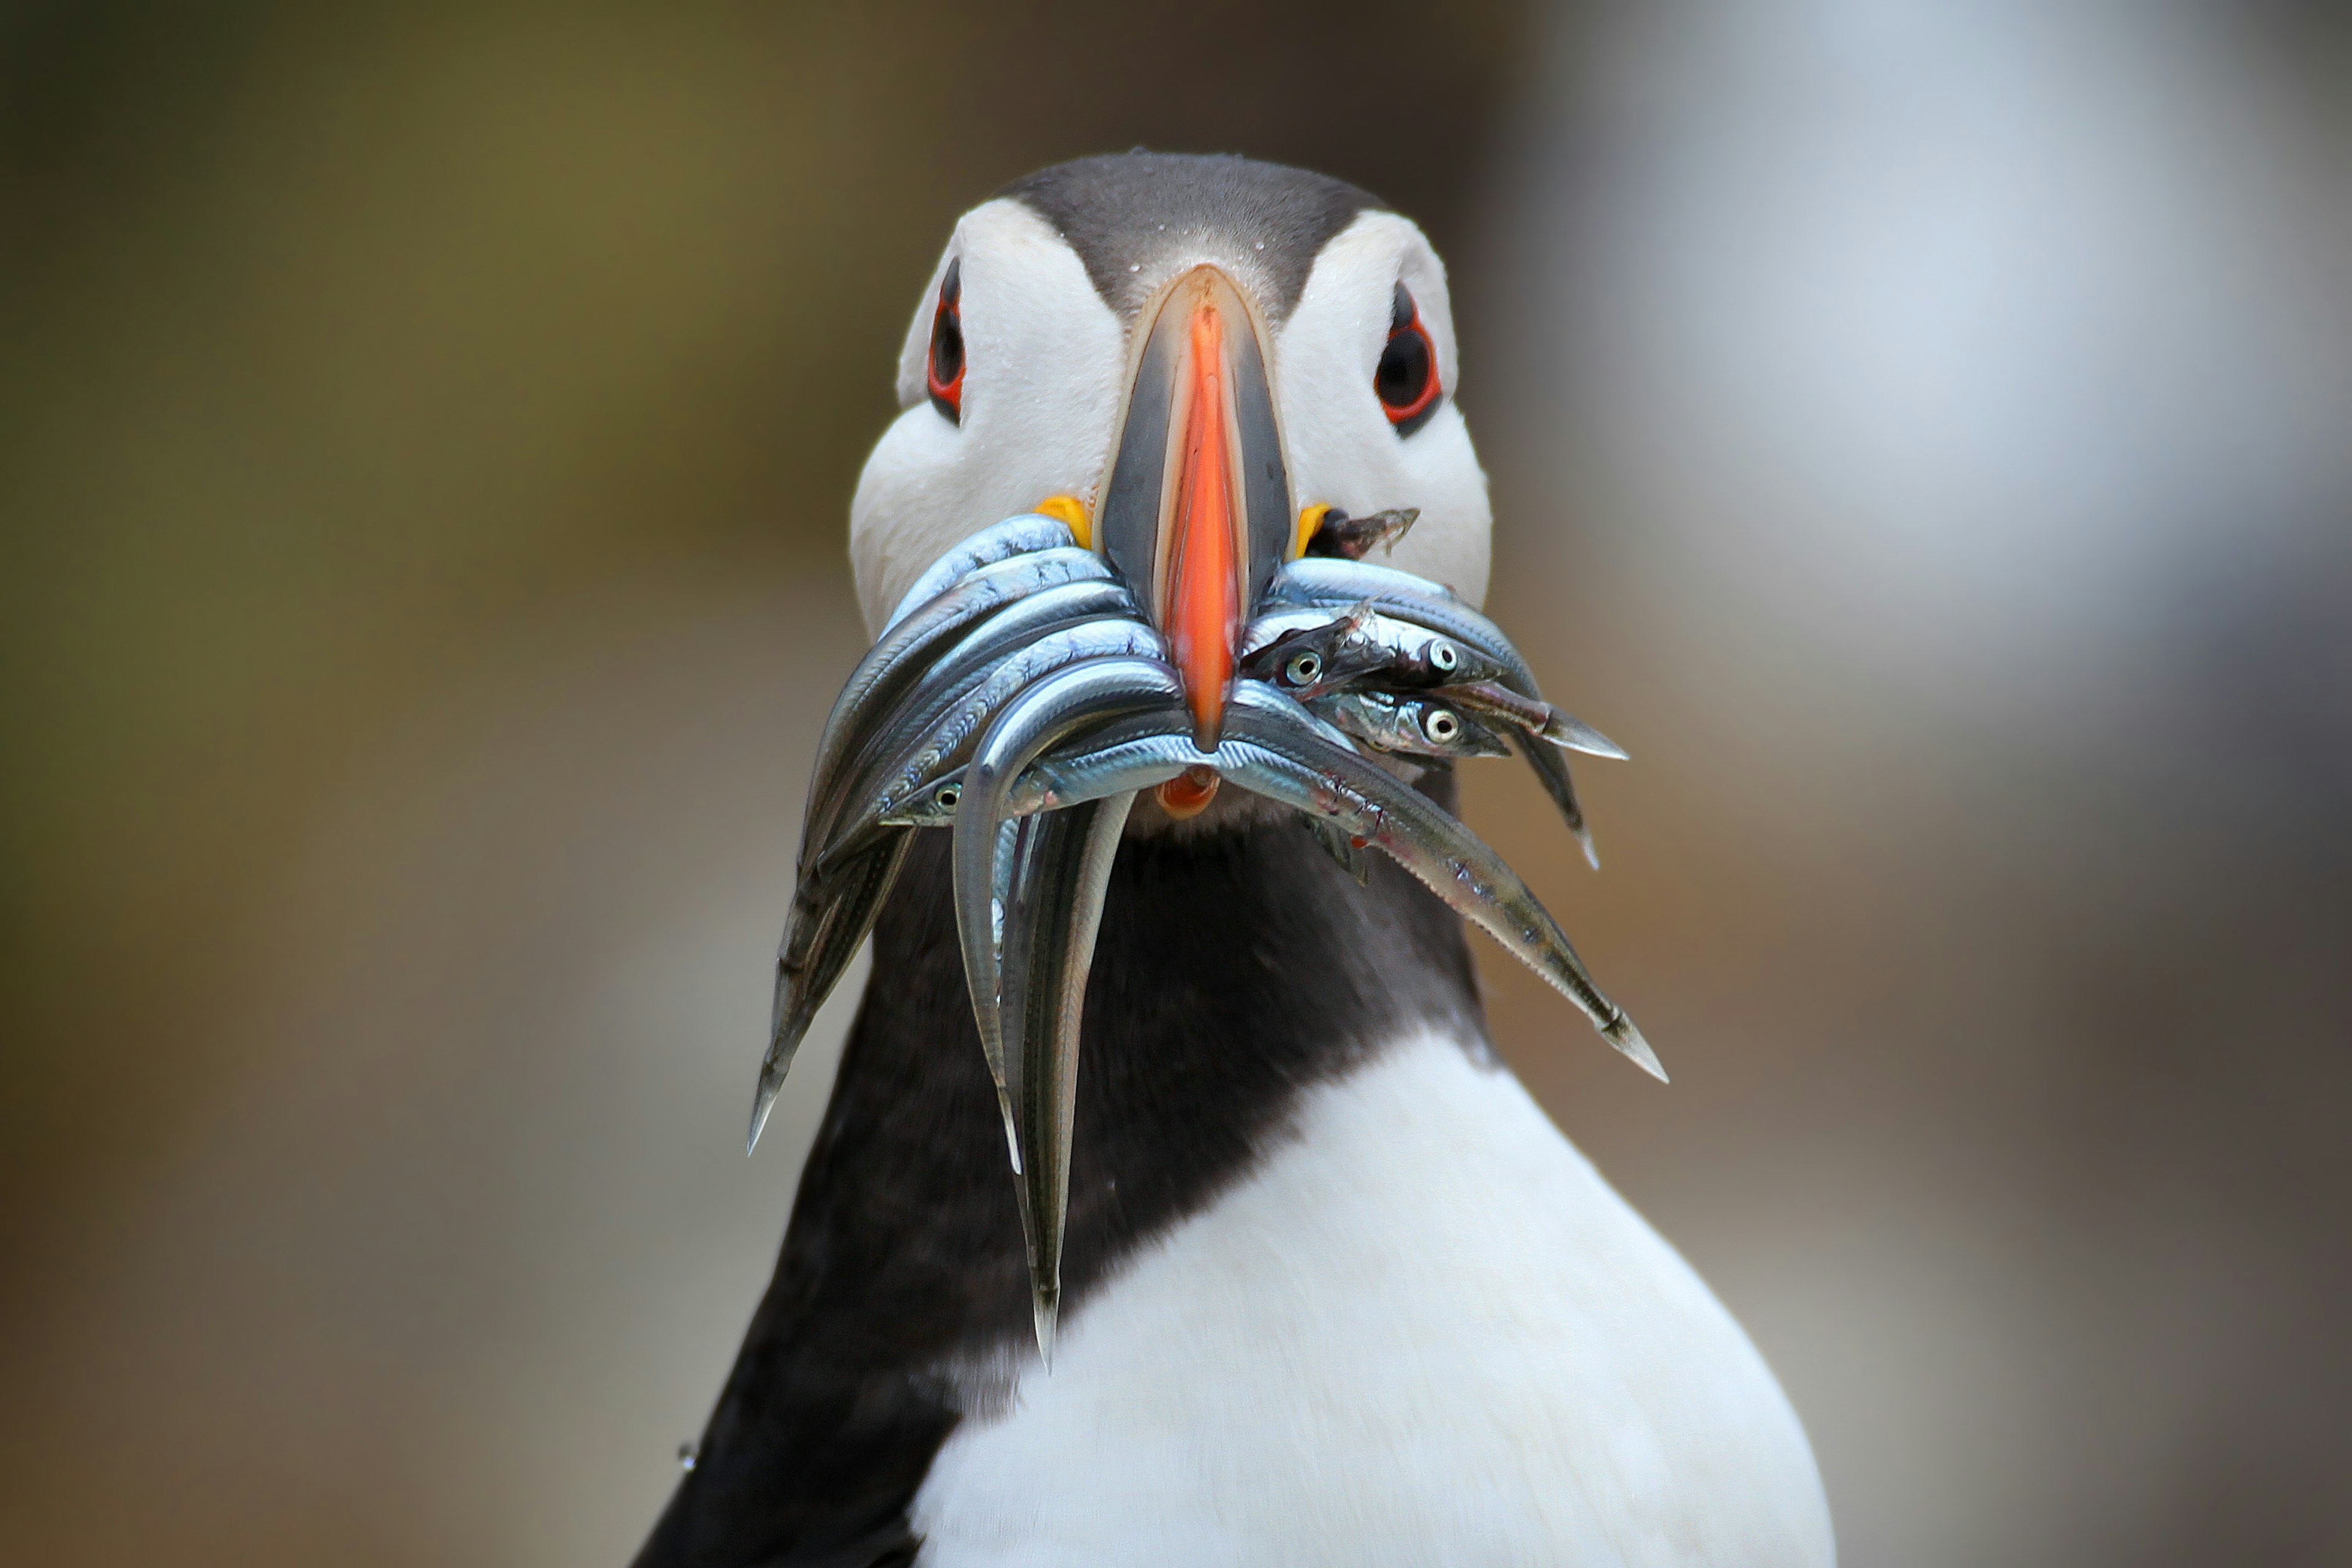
1426	1333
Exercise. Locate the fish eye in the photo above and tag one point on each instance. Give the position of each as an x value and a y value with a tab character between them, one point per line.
1406	378
1440	726
948	797
944	378
1302	669
1443	656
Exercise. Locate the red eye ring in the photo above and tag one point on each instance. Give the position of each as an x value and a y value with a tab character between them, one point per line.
1406	380
943	367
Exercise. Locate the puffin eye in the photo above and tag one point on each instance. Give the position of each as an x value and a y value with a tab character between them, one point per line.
1406	380
945	377
1303	669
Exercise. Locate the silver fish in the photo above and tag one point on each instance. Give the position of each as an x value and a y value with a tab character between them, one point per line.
1047	610
930	744
1281	757
1313	580
935	807
1274	623
1409	723
1138	755
1306	654
1308	651
922	697
1403	652
1352	538
817	947
841	892
927	703
808	963
1425	655
1055	911
1043	714
906	652
1318	581
1022	535
1134	752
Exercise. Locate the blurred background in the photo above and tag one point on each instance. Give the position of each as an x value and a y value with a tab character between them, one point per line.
1921	430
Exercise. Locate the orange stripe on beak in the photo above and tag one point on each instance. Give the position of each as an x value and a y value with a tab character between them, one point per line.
1195	509
1204	611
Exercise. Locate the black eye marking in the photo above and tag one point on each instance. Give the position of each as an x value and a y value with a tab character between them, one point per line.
944	379
1406	380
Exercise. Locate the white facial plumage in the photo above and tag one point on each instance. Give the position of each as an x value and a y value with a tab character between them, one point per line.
1046	362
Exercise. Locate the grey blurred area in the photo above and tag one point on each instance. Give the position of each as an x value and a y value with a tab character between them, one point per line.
1919	432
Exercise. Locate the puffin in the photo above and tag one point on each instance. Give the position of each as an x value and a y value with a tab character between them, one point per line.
1326	1285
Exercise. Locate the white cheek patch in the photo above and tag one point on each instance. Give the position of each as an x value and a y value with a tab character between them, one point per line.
1042	356
1452	542
1342	448
904	515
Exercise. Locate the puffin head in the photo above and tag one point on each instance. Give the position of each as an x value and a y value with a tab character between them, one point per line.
1195	361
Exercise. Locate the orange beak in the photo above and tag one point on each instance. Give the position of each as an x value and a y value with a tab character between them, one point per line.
1196	513
1201	600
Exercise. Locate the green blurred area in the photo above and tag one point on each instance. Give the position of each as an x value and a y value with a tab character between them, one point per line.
339	336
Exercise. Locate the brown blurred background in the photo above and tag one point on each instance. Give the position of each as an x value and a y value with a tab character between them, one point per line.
1919	432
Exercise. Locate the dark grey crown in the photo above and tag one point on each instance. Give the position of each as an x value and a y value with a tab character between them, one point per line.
1134	217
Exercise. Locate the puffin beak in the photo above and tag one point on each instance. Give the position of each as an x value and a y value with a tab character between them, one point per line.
1196	514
